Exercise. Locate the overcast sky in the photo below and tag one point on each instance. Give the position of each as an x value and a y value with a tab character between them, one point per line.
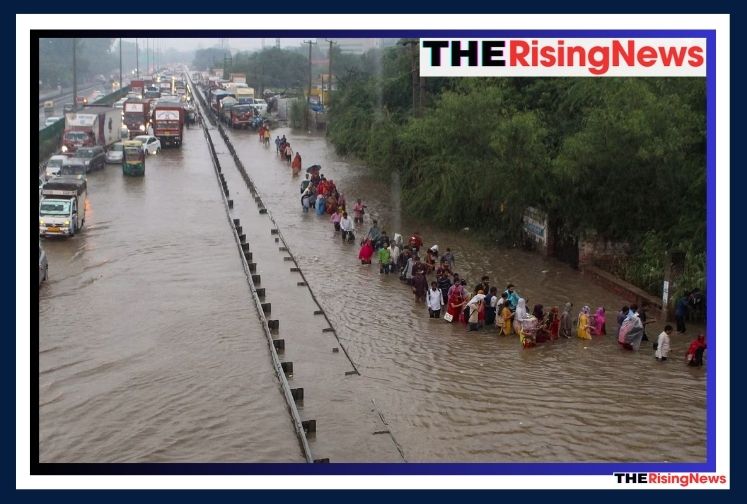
188	44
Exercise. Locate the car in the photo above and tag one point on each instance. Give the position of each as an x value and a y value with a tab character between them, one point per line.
115	154
41	185
119	104
68	107
54	164
93	157
51	120
43	265
151	144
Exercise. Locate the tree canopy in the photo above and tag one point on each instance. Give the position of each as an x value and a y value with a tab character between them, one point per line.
620	158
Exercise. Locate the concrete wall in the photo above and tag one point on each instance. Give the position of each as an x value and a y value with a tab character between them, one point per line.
594	251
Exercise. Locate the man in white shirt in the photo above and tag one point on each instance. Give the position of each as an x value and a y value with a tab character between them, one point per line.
346	226
663	345
434	300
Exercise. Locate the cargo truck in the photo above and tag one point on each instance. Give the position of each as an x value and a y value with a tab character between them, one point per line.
137	116
91	126
237	78
241	116
168	123
62	210
137	87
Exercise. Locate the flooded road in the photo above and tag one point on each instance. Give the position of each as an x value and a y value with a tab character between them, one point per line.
449	395
151	350
150	347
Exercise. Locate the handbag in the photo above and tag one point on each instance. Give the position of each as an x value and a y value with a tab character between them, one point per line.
448	317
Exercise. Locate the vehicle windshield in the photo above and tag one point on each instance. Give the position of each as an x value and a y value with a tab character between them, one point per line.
55	162
73	169
76	136
142	139
58	207
85	153
118	147
133	154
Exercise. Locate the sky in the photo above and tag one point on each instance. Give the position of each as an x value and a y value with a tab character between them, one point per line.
187	44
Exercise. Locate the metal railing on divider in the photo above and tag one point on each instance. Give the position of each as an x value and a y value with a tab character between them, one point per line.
298	424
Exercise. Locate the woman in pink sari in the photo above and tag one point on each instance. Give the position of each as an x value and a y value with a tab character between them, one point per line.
598	323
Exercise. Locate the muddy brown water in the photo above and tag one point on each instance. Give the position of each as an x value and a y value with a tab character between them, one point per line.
150	348
452	395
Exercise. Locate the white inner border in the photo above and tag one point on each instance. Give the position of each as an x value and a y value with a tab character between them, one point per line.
26	22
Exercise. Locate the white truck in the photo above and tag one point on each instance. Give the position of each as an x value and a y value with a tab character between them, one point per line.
62	210
91	126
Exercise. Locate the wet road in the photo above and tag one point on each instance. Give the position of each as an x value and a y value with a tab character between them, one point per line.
150	349
452	395
60	101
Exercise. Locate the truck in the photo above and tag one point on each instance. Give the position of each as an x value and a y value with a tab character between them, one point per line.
168	123
241	116
245	94
237	78
226	104
62	210
137	116
166	87
137	86
91	126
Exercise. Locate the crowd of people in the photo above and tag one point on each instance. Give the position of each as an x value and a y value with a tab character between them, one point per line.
482	307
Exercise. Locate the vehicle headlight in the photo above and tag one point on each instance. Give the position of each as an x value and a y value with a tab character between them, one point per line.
64	148
67	222
142	127
41	222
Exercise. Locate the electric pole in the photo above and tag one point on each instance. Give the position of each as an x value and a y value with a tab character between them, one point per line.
75	77
120	64
137	59
413	43
329	74
147	58
308	96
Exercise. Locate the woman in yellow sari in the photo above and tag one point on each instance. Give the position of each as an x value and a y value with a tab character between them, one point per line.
584	329
505	321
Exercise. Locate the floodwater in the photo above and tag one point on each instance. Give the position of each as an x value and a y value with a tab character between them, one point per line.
449	395
150	347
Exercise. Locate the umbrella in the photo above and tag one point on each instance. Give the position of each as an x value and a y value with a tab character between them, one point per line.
313	169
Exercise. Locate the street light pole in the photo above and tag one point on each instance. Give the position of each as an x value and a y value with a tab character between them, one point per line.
329	75
137	59
120	63
75	77
308	96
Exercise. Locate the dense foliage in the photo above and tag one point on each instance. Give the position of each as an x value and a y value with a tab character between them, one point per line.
623	159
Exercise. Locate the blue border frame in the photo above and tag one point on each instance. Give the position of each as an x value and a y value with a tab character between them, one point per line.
496	468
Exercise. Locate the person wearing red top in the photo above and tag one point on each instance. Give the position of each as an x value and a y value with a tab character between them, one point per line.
695	352
416	241
366	252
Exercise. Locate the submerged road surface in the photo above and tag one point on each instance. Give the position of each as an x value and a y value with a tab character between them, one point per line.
449	395
150	349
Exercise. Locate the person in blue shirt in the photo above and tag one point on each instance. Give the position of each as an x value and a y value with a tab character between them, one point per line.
512	297
680	312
